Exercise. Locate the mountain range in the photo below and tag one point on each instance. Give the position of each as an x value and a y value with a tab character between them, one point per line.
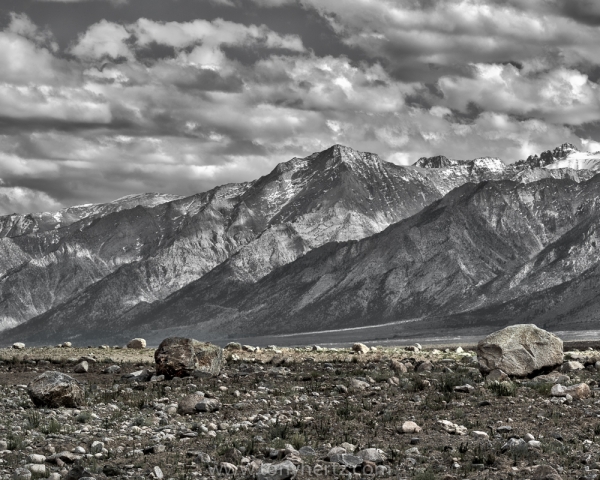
337	240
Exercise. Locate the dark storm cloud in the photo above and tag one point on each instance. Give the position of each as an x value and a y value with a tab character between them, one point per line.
99	98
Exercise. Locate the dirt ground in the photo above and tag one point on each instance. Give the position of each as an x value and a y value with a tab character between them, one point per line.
276	401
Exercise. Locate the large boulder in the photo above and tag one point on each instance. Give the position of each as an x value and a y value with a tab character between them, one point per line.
520	350
55	389
184	357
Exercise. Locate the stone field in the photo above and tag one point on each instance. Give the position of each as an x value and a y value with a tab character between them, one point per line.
278	413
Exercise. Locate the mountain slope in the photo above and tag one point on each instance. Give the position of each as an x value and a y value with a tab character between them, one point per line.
441	261
97	268
115	266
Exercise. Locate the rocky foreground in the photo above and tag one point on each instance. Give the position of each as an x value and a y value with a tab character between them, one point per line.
277	413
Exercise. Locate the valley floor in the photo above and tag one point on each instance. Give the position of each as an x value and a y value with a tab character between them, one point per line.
297	404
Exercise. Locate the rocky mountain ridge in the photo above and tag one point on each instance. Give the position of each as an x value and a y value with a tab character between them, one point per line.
112	265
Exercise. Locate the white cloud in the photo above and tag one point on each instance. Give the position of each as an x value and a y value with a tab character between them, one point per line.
103	40
20	199
561	95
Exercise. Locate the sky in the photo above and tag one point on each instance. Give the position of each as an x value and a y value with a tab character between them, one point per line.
105	98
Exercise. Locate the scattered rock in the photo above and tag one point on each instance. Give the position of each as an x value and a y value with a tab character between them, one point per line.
137	343
208	405
78	472
359	384
519	350
452	428
234	346
81	367
360	348
187	405
544	472
21	474
571	366
184	357
398	366
55	389
496	375
552	377
279	471
350	461
514	444
579	391
374	455
113	369
410	427
19	346
426	366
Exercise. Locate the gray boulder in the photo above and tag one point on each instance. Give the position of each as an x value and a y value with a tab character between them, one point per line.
519	350
55	389
184	357
137	344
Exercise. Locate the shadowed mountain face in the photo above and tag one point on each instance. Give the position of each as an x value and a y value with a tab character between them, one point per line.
281	254
91	264
478	248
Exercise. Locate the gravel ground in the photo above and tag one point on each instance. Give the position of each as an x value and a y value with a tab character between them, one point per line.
292	406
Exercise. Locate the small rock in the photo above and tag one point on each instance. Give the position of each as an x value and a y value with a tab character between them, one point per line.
359	384
350	461
360	348
77	473
544	472
480	435
158	473
514	444
81	367
187	405
571	366
464	388
280	471
113	369
452	428
19	346
579	391
67	344
227	468
208	405
137	344
35	458
426	366
528	437
111	470
398	366
374	455
410	427
96	447
21	474
307	451
496	375
234	346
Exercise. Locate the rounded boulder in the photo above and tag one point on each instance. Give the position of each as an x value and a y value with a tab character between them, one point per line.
55	389
519	350
184	357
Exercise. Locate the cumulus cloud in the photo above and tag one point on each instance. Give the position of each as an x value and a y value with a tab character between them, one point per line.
20	199
103	119
108	40
430	39
560	96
